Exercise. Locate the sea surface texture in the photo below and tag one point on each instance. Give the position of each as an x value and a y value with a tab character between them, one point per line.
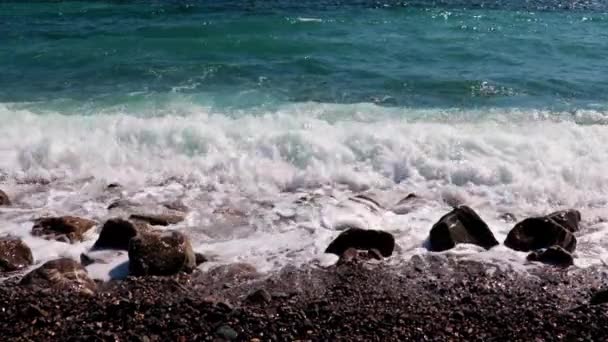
265	118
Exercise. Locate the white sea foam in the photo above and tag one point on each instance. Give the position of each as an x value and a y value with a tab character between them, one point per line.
273	188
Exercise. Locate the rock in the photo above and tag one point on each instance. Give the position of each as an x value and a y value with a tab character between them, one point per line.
158	220
258	297
116	234
160	254
408	204
363	239
113	186
599	297
61	274
507	217
86	260
66	228
14	254
554	255
200	258
353	255
569	219
121	204
538	233
227	333
461	225
4	200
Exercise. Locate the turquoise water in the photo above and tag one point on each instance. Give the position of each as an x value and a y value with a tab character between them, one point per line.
83	57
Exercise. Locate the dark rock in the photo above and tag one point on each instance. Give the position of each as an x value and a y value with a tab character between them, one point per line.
86	260
116	234
461	225
227	333
66	228
569	219
409	204
160	254
538	233
14	254
363	239
258	297
61	274
4	200
121	203
407	198
553	255
113	186
600	297
158	220
508	217
200	258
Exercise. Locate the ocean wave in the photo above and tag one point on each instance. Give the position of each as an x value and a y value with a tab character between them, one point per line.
521	162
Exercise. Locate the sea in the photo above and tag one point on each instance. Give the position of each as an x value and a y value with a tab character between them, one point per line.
280	123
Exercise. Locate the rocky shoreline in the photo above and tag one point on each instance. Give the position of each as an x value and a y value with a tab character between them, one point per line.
434	296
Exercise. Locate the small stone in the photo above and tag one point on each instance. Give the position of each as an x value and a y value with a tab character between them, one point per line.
225	331
258	297
599	297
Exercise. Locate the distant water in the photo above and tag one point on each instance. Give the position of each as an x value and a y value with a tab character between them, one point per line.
502	105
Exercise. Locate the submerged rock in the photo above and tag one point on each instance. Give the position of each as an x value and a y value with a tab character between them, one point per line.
65	228
116	234
554	255
4	200
160	254
363	239
461	225
61	274
158	220
538	233
14	254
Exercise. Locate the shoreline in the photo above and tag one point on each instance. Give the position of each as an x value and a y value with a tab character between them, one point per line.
435	298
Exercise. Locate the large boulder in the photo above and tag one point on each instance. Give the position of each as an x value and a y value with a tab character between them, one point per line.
362	239
4	200
461	225
116	234
65	228
160	254
569	219
61	274
14	254
540	232
158	220
553	255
